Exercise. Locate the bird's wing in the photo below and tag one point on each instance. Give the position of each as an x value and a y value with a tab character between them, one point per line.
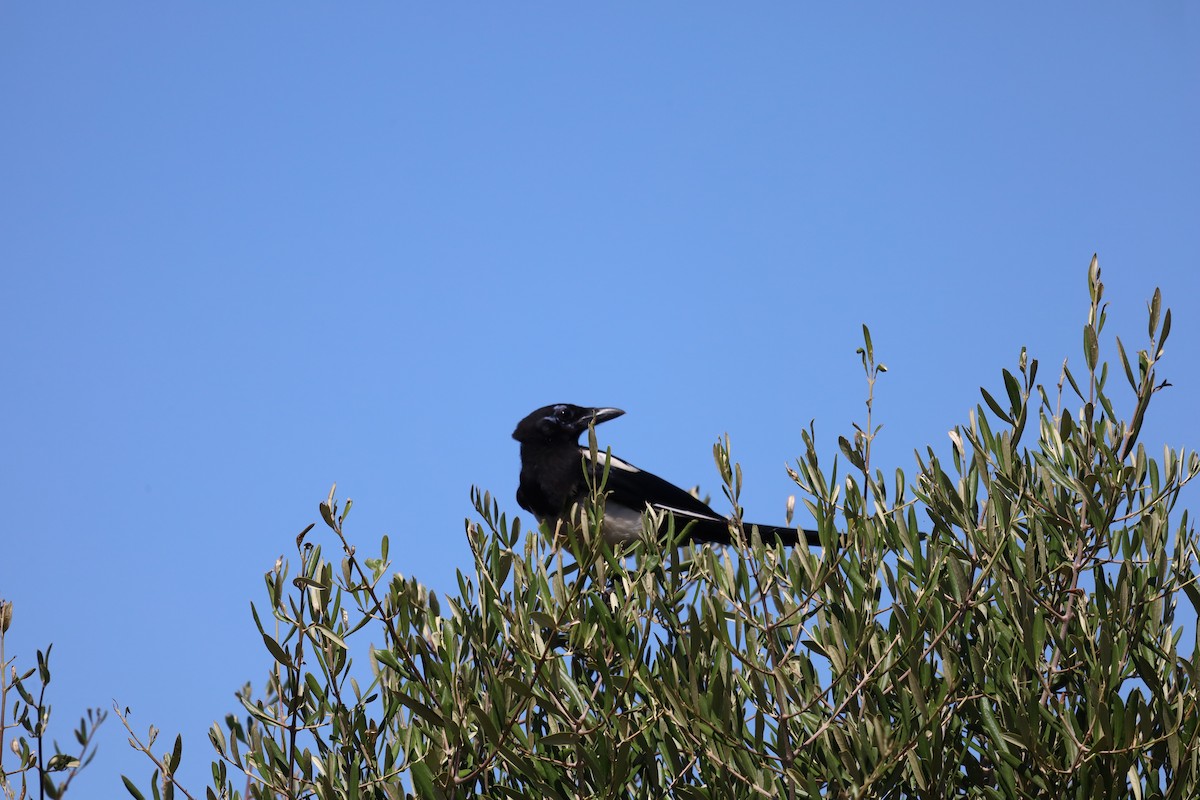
635	488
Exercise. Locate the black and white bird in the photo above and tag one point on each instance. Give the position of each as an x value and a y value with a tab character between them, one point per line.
553	477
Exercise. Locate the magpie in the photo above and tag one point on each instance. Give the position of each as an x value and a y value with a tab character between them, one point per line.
553	477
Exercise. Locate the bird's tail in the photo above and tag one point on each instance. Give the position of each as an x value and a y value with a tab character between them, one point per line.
717	532
789	537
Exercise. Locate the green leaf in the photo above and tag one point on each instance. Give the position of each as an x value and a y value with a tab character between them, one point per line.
1125	363
277	652
388	659
1071	380
43	665
176	754
995	407
217	737
256	712
849	452
1166	331
1014	390
302	582
1155	306
133	790
61	761
560	739
1091	346
326	633
423	782
419	708
991	725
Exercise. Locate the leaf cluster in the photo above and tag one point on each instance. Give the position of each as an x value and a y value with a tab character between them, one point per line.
1007	624
37	771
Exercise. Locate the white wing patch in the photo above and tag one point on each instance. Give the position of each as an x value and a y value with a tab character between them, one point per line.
612	461
684	514
623	524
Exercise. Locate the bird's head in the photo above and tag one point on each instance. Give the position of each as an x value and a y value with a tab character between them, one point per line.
562	422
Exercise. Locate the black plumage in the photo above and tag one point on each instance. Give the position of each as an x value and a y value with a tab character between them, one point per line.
553	478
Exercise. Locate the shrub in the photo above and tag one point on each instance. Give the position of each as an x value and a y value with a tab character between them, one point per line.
1005	625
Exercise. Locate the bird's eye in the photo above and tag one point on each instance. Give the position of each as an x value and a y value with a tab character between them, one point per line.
561	413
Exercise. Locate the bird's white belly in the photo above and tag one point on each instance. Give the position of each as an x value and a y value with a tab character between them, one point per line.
621	524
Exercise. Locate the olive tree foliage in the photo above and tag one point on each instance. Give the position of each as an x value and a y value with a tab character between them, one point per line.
1003	625
32	764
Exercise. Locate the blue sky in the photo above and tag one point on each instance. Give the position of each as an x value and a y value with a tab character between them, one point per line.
250	250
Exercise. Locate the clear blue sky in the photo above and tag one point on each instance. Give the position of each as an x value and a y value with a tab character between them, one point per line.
252	249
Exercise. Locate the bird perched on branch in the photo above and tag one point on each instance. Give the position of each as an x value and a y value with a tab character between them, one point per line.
553	477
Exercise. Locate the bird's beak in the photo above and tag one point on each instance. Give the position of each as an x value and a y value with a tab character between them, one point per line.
605	414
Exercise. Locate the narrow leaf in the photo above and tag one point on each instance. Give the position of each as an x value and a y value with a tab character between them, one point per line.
1155	307
559	739
1014	390
855	458
995	407
1091	346
277	652
133	790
